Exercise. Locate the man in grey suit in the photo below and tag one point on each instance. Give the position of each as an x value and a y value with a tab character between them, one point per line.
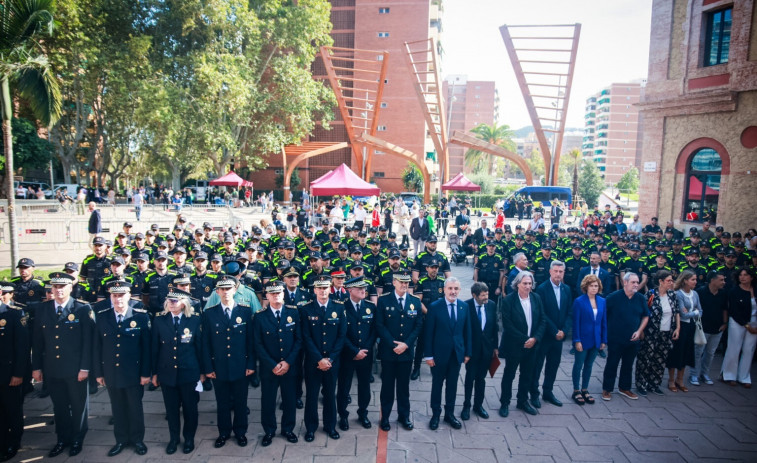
484	332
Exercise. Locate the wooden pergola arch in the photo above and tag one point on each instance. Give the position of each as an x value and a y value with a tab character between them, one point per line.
471	142
302	152
403	153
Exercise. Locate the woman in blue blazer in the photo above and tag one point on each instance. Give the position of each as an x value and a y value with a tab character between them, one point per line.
589	335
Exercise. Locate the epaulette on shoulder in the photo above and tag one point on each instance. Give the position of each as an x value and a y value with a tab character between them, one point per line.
139	310
441	254
423	280
103	310
243	305
338	301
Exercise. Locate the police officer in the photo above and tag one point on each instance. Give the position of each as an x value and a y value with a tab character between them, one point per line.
62	356
14	362
29	290
430	288
201	281
324	330
228	359
573	266
541	265
96	266
357	354
296	298
157	284
117	268
278	341
489	269
419	269
122	364
177	352
398	325
138	287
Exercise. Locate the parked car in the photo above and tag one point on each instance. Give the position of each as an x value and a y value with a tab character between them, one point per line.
71	189
36	185
408	197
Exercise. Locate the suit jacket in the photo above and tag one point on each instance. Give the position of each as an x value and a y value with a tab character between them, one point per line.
514	326
14	345
361	329
415	228
443	337
323	337
395	323
478	235
177	357
604	276
276	342
62	345
122	353
227	342
483	342
556	318
589	330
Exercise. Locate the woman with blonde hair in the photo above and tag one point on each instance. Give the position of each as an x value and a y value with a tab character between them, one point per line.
682	354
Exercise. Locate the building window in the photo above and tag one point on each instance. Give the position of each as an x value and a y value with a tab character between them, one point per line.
384	104
383	34
381	128
702	186
384	10
718	37
378	152
378	174
379	57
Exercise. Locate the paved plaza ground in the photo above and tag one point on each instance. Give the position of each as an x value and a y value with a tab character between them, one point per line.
709	423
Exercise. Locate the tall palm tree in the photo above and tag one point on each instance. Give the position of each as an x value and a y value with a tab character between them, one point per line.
24	66
499	135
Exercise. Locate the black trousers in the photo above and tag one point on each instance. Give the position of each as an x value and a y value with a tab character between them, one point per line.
184	396
395	375
300	367
419	345
231	396
269	385
623	354
347	369
317	381
11	416
70	404
475	379
548	355
524	358
128	416
448	371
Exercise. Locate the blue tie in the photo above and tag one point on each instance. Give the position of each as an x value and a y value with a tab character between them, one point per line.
452	314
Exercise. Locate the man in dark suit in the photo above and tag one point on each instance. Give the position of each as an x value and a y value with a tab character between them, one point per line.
523	327
228	359
462	221
557	301
481	234
398	324
122	364
594	269
447	345
62	356
484	331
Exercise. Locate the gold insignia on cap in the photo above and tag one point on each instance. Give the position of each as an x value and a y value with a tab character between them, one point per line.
367	311
186	330
289	319
333	314
239	319
3	322
133	324
71	317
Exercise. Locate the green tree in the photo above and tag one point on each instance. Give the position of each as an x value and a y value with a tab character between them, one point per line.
590	183
29	150
499	135
485	181
629	182
24	66
536	164
412	178
294	180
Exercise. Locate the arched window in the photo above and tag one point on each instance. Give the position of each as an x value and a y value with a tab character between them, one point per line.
702	186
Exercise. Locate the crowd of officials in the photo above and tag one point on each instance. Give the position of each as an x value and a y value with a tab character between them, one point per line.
201	309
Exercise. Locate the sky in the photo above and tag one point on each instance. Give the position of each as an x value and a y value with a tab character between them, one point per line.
613	47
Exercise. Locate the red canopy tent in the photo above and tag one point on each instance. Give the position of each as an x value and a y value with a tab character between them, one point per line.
342	181
322	177
460	183
695	189
231	179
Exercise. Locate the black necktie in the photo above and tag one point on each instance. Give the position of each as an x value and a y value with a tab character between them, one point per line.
176	323
402	305
452	314
291	296
357	307
323	309
278	316
228	313
59	310
478	309
120	319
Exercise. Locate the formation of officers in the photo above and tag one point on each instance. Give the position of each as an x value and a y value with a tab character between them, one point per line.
193	311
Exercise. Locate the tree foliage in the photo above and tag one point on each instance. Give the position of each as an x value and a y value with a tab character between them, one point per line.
629	182
412	178
29	150
590	183
500	135
485	181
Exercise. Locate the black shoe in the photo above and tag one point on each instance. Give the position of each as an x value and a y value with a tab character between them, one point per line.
116	449
290	436
267	439
415	374
151	387
526	407
406	423
343	424
93	391
364	422
504	410
57	450
140	448
299	405
171	447
641	391
189	445
111	421
384	424
434	423
10	452
207	385
465	414
552	399
309	436
333	434
480	411
220	442
452	421
255	381
536	402
242	441
75	449
658	391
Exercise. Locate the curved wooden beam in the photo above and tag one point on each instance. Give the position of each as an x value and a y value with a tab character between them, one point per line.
402	152
469	141
301	157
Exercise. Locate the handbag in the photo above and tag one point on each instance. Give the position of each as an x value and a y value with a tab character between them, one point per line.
699	338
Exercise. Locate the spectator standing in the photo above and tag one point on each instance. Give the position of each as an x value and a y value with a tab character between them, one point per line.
589	335
95	223
682	354
138	200
714	300
742	330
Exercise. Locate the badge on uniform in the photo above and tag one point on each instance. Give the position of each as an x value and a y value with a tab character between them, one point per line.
71	317
239	320
412	307
441	290
187	336
367	311
289	319
3	322
207	289
133	324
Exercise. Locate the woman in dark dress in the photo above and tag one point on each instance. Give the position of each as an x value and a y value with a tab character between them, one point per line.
682	354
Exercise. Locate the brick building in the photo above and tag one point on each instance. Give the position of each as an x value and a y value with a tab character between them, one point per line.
700	114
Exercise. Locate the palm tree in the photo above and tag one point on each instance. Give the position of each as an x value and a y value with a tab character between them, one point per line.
24	65
499	135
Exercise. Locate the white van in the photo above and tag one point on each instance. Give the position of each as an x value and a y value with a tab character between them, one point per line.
71	189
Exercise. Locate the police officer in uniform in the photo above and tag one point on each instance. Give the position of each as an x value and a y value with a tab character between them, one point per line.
62	356
430	288
324	330
489	269
398	324
296	298
157	284
357	354
541	265
228	359
29	290
96	266
278	341
122	364
14	361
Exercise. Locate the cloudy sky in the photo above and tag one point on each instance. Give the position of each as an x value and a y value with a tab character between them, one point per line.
614	45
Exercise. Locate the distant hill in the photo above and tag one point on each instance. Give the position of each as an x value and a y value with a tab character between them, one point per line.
523	132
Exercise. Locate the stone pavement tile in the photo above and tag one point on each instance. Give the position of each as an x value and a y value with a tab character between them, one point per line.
519	449
344	446
478	441
363	458
502	455
591	453
469	455
547	433
415	452
736	429
400	456
660	444
544	420
604	424
665	419
584	438
421	433
654	457
642	425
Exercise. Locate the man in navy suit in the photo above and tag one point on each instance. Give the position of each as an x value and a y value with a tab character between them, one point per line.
447	345
484	332
594	269
557	300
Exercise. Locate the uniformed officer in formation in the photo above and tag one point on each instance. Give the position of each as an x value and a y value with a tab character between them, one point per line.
398	324
228	359
122	364
96	266
176	351
14	361
157	284
278	341
28	289
62	356
324	330
357	353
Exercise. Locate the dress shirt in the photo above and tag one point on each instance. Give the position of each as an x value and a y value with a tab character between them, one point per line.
526	304
595	271
400	299
481	311
556	289
277	314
